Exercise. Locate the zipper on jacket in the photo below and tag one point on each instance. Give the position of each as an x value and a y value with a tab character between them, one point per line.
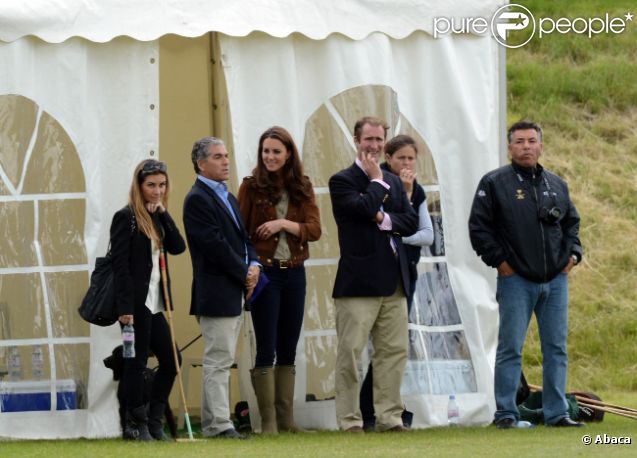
537	203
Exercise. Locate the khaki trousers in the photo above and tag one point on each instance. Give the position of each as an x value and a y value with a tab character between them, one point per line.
220	336
385	318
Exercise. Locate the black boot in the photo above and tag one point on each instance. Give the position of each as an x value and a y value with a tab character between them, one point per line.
155	425
137	425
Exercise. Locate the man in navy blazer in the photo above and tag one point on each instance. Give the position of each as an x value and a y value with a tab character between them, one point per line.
372	214
225	271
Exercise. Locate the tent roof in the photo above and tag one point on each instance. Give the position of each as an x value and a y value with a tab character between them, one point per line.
101	20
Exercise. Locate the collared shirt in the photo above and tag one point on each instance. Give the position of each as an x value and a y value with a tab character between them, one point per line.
221	189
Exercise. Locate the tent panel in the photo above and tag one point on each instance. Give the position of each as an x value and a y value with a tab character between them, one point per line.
84	117
149	19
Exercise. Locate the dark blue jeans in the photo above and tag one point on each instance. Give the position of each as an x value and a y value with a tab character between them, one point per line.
277	316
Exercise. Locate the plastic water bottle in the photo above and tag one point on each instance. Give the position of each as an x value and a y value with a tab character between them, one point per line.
37	362
453	413
15	364
128	339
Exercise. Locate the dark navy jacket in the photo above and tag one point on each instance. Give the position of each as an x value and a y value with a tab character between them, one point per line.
218	253
368	266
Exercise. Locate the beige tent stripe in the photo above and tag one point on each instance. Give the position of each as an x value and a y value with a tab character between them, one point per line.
7	182
5	179
340	122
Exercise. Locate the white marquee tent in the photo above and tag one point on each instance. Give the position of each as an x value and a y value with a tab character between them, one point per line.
88	89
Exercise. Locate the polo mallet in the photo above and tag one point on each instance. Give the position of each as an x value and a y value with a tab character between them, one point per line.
599	405
164	282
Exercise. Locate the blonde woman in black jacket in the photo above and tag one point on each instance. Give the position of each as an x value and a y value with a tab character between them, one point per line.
138	232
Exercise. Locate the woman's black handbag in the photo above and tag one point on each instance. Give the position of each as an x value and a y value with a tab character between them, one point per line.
98	306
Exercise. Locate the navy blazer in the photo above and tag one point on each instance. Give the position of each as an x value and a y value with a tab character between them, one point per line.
132	257
218	253
367	266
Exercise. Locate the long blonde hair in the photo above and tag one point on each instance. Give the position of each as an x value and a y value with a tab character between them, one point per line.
136	202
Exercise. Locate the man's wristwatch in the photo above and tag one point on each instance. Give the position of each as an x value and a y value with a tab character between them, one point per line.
575	259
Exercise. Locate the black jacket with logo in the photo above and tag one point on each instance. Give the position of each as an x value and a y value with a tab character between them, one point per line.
506	225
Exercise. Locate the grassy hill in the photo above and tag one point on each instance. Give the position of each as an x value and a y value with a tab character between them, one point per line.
584	94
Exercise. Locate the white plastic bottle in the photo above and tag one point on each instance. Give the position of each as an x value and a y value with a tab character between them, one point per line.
37	362
15	364
128	341
453	412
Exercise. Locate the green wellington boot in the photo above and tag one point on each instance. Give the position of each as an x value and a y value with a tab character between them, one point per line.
263	383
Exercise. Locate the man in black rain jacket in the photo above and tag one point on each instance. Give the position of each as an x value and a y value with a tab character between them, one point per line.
524	224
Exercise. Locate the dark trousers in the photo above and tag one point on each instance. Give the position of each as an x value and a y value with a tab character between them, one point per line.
277	316
151	334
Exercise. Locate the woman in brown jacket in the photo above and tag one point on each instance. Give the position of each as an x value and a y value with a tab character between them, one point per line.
279	211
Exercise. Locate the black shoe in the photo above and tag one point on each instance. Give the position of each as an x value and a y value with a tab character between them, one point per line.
369	425
566	422
506	423
407	417
230	434
136	427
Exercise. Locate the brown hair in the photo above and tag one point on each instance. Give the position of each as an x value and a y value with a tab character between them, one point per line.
136	202
398	142
372	121
291	176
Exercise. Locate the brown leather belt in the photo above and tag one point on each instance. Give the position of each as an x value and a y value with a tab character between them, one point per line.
280	263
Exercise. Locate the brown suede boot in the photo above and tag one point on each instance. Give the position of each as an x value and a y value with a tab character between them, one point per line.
284	399
263	383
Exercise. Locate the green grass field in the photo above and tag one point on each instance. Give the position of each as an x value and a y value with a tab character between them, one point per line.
435	442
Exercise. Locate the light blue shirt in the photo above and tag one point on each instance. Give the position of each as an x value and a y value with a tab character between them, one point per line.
220	188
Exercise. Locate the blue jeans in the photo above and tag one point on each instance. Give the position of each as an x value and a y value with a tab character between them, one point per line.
518	299
277	316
